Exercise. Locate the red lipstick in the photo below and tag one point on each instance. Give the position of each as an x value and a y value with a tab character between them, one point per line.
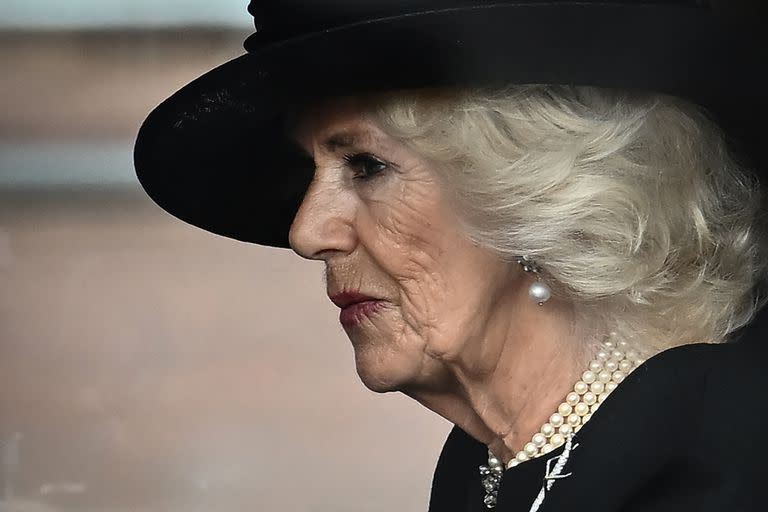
355	306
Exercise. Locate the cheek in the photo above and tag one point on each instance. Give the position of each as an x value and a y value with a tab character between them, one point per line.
408	232
403	226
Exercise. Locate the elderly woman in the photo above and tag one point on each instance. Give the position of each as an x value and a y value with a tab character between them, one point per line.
543	254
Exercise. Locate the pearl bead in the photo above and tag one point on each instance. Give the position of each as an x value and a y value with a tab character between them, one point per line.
594	408
618	355
556	420
604	376
588	376
513	463
602	355
574	419
609	344
539	440
602	396
557	440
582	408
625	365
572	398
587	418
632	355
640	361
617	376
596	366
547	429
522	456
565	409
565	429
590	398
610	386
531	449
581	387
597	387
539	292
623	343
547	448
611	366
494	462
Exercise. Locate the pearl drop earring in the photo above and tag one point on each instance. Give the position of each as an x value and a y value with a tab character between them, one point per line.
538	291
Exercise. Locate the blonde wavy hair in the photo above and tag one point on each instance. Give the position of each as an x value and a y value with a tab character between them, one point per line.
630	202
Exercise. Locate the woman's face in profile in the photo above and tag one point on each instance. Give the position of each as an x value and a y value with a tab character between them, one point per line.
377	214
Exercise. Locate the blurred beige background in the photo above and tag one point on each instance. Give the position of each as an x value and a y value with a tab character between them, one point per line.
148	366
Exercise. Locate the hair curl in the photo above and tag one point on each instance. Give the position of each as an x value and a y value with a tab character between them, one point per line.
630	202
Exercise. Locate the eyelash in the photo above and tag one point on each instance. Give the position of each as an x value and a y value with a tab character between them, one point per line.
360	163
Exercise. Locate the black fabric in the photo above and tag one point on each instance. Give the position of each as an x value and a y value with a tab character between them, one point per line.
217	153
285	19
684	432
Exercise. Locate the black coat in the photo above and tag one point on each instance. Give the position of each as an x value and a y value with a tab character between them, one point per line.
686	431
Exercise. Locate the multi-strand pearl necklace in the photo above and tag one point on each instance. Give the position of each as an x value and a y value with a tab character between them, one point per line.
609	368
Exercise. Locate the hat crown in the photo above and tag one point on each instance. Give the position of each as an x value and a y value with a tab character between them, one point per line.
282	19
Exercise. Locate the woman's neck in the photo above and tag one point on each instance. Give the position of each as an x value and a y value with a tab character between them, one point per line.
505	403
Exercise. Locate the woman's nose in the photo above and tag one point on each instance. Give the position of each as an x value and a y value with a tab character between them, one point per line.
323	226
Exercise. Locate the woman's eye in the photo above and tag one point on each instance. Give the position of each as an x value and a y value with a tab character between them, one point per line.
365	165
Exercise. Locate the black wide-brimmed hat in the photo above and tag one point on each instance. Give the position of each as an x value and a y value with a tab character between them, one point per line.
217	154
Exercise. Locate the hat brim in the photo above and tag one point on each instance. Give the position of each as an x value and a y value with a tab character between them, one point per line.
217	155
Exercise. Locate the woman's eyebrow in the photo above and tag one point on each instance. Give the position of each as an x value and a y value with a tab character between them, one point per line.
344	140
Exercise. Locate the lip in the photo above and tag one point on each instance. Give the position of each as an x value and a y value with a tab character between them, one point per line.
347	298
355	306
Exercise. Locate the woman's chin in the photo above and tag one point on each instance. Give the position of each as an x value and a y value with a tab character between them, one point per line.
383	373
